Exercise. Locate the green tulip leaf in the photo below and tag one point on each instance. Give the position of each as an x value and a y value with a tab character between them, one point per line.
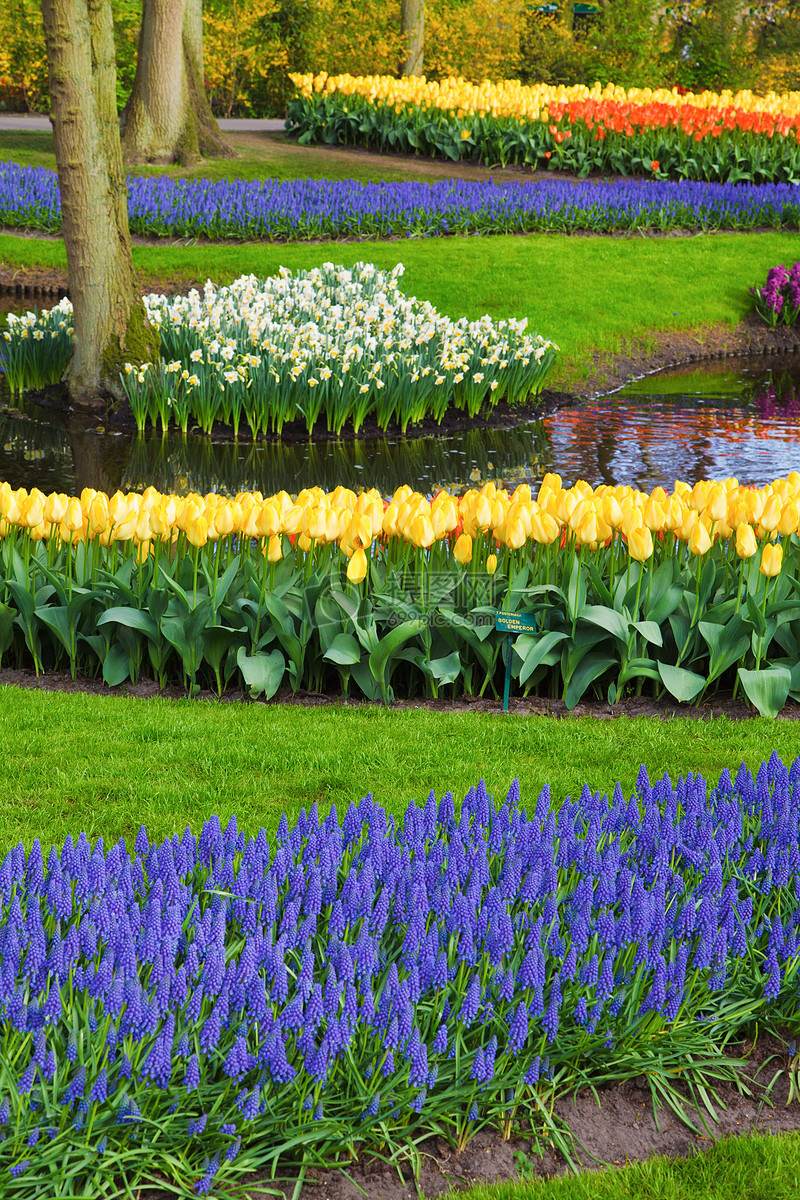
532	650
344	650
767	690
116	666
650	631
261	672
591	667
682	684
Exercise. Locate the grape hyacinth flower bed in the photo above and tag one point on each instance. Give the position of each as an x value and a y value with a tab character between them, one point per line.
778	301
200	1009
303	209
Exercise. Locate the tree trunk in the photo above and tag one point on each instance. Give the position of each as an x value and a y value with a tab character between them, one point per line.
109	318
412	29
168	118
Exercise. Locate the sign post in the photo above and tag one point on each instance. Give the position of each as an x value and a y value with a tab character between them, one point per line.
511	624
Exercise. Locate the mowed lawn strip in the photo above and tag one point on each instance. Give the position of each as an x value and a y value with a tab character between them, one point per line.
587	294
107	764
752	1167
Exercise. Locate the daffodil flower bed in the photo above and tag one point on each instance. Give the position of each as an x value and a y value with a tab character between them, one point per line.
711	136
336	344
190	1012
680	594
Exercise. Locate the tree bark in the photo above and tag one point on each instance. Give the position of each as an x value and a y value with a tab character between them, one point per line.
168	117
108	318
412	29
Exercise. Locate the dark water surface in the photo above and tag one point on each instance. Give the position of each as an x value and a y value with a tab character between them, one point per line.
729	417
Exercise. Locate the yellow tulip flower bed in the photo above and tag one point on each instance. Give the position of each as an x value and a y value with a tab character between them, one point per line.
674	593
721	136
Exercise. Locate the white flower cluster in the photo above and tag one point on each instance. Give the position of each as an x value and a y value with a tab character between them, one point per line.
37	346
351	333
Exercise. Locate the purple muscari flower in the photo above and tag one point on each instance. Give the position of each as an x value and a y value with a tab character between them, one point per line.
518	1029
228	1128
5	1111
239	1060
478	1068
76	1087
440	1041
473	1111
18	1168
550	1021
204	1185
25	1084
319	1111
197	1126
192	1080
99	1090
472	998
101	1146
233	1150
33	1138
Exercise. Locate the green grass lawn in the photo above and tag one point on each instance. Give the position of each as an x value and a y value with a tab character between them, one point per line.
562	285
107	764
744	1168
262	155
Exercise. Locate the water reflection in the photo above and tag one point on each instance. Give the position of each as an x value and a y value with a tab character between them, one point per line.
722	420
730	418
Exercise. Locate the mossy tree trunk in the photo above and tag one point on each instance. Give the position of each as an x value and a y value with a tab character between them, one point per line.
168	117
412	29
109	318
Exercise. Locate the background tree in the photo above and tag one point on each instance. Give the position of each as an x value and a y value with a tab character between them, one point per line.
412	31
168	117
109	318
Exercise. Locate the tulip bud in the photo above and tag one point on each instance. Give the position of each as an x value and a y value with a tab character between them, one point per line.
699	540
587	529
770	517
491	564
197	531
771	560
746	544
790	518
357	567
640	543
462	551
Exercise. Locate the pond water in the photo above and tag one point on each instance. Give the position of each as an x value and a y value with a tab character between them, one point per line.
729	417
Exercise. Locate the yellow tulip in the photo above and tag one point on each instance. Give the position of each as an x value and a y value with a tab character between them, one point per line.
462	551
357	567
699	540
746	544
491	564
771	515
545	528
640	543
55	507
197	531
304	542
771	560
275	549
790	518
587	529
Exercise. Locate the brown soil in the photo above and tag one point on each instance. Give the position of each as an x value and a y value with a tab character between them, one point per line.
621	1129
721	705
